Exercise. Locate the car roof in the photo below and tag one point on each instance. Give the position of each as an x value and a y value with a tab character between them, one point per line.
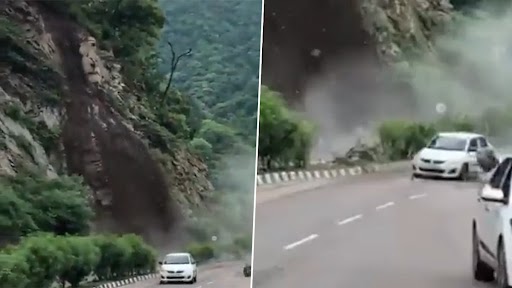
461	135
178	254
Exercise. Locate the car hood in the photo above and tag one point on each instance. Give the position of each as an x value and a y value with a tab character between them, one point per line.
177	267
442	155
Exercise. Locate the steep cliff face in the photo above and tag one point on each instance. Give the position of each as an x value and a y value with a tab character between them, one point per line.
301	39
332	59
65	109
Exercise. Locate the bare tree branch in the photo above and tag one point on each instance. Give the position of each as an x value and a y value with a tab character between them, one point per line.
174	64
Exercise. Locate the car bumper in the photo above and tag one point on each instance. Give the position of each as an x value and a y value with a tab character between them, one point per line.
166	277
443	170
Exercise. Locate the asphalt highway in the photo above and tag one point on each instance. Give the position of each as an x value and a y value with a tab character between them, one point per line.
220	275
382	231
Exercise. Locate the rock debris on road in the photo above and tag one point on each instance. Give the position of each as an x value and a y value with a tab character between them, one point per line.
377	231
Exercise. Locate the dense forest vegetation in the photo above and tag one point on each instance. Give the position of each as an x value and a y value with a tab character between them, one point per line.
221	75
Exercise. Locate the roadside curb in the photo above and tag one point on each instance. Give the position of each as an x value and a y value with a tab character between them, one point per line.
269	179
128	281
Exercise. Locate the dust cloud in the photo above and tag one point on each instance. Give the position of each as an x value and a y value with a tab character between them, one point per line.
230	216
468	69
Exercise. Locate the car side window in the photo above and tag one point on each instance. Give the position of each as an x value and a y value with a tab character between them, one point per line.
497	177
473	145
482	142
192	260
505	186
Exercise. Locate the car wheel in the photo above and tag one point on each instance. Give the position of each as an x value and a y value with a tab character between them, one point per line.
195	279
501	274
464	172
161	283
481	271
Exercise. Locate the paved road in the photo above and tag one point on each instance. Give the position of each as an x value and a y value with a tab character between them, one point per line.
373	231
223	275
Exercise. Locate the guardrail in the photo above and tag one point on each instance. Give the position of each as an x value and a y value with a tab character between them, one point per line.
311	175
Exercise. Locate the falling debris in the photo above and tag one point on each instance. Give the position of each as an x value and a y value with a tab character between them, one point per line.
441	108
316	52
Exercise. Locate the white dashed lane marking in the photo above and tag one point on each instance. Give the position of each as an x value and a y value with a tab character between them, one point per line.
300	242
351	219
417	196
383	206
209	283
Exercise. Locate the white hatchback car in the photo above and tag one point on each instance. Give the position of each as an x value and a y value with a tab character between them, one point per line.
178	267
450	155
492	228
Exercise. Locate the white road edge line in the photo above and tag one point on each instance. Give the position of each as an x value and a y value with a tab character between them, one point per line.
295	244
389	204
350	219
412	197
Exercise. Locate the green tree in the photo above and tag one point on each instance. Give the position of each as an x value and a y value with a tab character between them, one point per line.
115	254
56	205
222	138
45	259
13	270
80	257
223	72
15	214
283	136
202	148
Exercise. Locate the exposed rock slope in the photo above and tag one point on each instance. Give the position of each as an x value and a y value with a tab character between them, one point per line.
302	37
64	109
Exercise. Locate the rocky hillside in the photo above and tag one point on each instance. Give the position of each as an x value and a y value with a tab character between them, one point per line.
332	60
66	107
301	40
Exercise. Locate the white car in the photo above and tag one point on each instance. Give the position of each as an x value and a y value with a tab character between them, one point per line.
178	267
450	155
492	228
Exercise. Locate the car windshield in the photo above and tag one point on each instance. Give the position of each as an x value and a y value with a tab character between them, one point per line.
448	143
177	259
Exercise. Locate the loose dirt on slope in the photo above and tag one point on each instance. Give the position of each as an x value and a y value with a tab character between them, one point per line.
102	149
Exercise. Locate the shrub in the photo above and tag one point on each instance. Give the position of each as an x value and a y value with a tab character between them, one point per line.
80	258
400	139
41	260
44	258
13	270
142	258
114	257
27	197
201	252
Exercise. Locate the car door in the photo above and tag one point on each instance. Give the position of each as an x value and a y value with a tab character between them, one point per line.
495	210
488	212
484	143
472	162
194	264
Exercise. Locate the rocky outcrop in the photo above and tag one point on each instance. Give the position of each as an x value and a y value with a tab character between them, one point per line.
302	37
344	63
60	97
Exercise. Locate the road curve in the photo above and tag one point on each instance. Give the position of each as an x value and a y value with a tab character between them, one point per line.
374	231
219	275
